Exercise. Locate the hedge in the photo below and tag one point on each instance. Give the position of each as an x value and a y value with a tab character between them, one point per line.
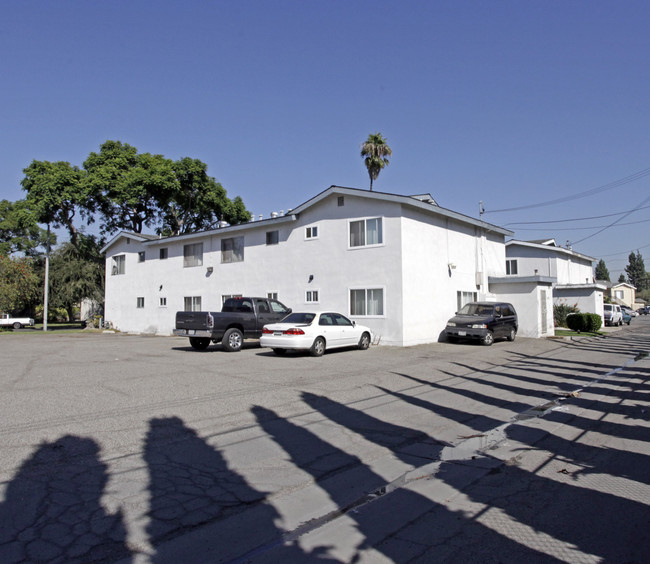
584	322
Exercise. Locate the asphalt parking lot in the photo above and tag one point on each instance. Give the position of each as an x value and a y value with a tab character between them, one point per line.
134	448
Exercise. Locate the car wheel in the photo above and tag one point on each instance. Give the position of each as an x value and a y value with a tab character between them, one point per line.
233	339
17	325
512	334
199	343
280	352
488	339
364	342
318	348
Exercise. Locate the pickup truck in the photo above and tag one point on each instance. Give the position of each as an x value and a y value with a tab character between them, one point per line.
239	319
15	322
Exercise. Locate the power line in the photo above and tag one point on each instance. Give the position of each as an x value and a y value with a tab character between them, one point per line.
575	218
575	228
615	184
613	223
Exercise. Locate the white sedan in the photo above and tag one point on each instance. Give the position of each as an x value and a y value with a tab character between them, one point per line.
315	332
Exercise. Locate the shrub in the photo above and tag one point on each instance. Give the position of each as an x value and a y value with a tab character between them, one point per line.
594	322
584	322
560	312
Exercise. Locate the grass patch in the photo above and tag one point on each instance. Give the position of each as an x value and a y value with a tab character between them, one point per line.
569	333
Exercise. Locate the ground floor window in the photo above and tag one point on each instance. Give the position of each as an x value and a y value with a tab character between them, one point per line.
272	295
463	298
228	296
163	302
140	303
192	303
311	296
367	301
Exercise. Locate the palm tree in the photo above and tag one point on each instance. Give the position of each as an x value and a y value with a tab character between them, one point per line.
375	150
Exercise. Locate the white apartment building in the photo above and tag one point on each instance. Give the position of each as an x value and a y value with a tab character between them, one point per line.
401	265
571	274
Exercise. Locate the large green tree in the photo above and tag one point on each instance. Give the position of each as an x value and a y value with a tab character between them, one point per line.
76	273
19	229
128	189
55	194
635	270
19	284
198	201
601	271
376	152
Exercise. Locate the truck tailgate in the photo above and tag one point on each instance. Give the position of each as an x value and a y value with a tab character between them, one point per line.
192	320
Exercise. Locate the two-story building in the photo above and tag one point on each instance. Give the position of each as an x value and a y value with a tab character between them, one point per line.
400	264
622	293
570	274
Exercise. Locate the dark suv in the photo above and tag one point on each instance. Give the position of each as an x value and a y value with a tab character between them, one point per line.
483	321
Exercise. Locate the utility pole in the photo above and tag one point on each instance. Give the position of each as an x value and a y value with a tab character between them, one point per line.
46	291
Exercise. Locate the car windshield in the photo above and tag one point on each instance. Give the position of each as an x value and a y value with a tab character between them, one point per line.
476	309
302	318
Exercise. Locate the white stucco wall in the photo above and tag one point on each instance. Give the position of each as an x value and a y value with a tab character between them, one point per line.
587	298
533	301
411	266
565	265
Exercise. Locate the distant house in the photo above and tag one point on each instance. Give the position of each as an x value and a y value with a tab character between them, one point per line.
623	293
399	264
570	273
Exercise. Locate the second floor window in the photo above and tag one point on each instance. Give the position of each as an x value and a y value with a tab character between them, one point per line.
366	232
232	249
311	232
193	254
511	267
163	253
119	265
272	237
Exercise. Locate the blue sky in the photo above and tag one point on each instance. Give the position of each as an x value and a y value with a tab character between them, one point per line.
509	103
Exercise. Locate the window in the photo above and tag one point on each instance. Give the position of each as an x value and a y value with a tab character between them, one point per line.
311	296
272	295
232	250
311	232
192	303
193	255
119	265
366	232
228	296
464	297
164	253
341	201
141	256
511	267
618	294
367	301
163	302
140	303
272	237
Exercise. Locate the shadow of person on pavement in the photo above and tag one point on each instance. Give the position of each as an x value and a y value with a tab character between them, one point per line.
403	525
191	485
52	509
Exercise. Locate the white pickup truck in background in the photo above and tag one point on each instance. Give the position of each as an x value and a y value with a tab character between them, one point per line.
15	322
